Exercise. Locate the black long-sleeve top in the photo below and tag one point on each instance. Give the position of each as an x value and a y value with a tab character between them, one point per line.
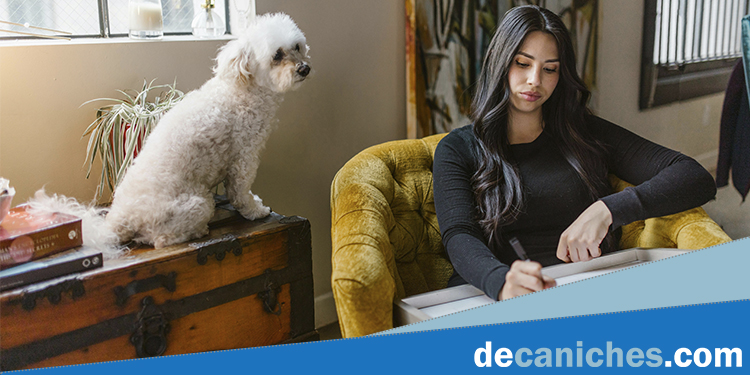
554	195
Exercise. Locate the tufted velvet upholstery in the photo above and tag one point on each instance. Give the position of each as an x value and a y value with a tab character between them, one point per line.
386	240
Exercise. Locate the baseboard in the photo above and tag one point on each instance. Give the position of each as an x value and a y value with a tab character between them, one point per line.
325	310
709	160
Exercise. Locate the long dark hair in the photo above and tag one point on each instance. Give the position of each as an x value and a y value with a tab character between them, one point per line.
497	184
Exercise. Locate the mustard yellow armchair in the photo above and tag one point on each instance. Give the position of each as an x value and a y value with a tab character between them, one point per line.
386	241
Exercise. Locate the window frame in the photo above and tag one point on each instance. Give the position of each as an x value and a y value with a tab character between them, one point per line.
662	85
104	29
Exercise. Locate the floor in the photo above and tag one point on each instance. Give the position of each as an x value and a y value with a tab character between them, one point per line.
330	332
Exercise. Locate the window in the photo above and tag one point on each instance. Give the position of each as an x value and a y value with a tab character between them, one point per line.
689	48
93	18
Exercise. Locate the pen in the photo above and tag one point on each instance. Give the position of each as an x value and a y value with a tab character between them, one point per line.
516	245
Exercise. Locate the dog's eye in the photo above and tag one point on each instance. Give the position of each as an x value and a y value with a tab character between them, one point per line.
296	48
279	55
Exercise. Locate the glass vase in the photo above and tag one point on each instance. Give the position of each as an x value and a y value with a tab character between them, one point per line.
208	23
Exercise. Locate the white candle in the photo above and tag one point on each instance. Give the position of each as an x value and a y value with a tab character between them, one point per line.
145	16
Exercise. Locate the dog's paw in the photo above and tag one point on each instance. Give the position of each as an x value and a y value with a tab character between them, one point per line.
161	242
256	213
257	209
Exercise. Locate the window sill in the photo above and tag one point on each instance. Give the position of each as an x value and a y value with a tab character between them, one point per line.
117	40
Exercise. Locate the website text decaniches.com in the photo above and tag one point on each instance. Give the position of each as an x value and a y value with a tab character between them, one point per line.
610	356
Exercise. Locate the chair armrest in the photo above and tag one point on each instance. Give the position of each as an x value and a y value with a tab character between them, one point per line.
690	230
364	276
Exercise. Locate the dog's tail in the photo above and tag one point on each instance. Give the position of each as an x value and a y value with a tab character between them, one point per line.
96	232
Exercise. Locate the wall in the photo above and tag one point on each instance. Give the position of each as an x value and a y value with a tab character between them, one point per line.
691	127
354	99
43	86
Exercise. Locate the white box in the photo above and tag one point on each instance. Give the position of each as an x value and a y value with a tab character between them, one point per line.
463	297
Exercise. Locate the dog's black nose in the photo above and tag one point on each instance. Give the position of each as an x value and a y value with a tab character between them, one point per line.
303	70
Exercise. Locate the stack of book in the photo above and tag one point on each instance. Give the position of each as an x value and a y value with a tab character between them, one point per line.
36	247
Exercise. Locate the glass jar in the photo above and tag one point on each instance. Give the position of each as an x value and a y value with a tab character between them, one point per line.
145	19
208	23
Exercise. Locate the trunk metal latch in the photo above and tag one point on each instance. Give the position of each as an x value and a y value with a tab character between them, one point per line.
150	335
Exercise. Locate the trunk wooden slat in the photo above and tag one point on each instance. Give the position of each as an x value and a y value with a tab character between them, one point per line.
205	329
210	301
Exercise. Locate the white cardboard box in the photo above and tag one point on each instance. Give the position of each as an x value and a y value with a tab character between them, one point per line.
463	297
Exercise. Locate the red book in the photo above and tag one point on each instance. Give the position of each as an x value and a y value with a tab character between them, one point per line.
25	237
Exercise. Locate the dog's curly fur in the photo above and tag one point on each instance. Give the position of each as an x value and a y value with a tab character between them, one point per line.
214	134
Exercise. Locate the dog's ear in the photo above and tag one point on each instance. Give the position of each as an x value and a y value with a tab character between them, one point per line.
234	62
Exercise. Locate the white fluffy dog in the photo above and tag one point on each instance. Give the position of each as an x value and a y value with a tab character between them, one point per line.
214	134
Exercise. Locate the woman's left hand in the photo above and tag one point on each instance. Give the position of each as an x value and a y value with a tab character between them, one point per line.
581	240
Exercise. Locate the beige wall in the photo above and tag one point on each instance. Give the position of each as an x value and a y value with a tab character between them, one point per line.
43	86
691	127
355	99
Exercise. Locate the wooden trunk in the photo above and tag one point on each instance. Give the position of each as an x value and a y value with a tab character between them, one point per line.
248	283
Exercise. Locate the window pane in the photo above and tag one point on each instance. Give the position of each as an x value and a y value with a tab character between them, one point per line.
178	14
664	44
80	17
697	30
673	31
689	29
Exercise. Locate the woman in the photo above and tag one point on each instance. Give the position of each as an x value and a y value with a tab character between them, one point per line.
534	165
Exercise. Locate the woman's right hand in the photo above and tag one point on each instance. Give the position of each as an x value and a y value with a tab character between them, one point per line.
523	278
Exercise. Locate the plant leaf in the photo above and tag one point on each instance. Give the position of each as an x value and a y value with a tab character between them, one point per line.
119	127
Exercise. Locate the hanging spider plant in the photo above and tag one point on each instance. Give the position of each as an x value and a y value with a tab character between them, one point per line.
120	129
